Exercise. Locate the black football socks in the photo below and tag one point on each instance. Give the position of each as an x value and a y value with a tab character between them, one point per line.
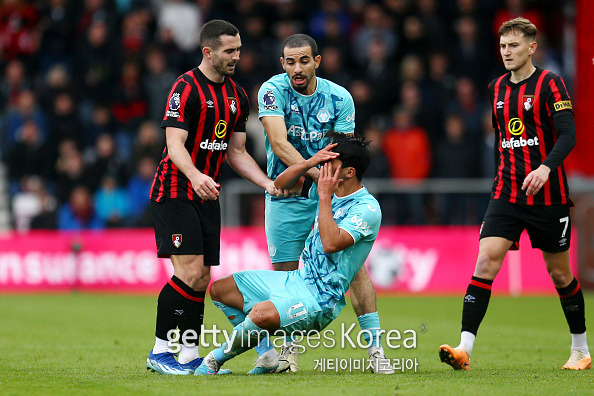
179	306
475	305
572	302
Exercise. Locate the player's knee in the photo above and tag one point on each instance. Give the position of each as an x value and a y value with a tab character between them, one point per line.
215	291
265	316
486	266
560	277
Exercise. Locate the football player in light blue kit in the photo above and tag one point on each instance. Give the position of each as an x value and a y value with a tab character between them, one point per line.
298	110
310	298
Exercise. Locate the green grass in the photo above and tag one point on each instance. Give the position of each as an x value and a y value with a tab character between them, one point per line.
97	344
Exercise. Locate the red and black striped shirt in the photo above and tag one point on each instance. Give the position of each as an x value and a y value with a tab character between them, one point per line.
210	112
525	135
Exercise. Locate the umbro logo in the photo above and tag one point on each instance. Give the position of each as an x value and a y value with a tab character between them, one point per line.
179	312
500	104
469	299
210	104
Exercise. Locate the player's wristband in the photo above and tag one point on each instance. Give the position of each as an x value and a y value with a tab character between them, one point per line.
306	186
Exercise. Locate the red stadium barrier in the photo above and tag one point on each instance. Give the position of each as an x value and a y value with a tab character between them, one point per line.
404	259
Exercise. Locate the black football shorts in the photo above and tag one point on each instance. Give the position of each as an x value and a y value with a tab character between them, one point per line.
549	227
184	227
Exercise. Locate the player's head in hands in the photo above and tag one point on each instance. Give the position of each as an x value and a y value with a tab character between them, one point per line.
300	59
354	156
517	43
220	44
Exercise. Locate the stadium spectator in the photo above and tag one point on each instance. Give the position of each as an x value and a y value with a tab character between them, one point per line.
184	20
454	157
71	170
139	183
13	83
176	58
379	166
377	25
329	9
414	38
130	105
433	24
101	123
78	212
57	80
95	11
333	66
148	143
111	202
30	155
470	52
379	73
364	105
136	32
57	31
157	81
437	92
25	110
64	120
410	162
97	63
106	162
18	23
469	107
31	202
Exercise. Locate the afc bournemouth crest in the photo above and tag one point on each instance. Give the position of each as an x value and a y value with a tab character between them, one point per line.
177	240
528	102
232	105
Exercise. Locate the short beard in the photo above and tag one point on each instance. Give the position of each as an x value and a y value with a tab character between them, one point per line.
302	88
223	71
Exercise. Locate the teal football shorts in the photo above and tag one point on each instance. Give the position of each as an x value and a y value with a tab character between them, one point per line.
296	306
288	222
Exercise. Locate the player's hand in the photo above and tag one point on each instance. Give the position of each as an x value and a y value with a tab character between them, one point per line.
323	155
329	180
277	192
206	188
536	179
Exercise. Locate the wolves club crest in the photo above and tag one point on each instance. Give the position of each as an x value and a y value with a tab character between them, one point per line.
528	102
177	240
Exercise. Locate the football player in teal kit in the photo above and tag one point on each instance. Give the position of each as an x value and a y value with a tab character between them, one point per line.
298	110
310	298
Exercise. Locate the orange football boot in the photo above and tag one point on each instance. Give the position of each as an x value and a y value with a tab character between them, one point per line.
457	358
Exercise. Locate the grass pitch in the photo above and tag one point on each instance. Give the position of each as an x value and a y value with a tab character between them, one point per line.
97	344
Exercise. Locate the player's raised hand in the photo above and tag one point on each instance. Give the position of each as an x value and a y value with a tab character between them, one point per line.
323	155
536	179
329	180
206	188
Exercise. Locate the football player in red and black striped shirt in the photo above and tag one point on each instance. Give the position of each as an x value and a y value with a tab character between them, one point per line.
204	121
535	131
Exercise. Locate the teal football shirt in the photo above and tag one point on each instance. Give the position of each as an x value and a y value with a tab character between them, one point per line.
328	276
307	118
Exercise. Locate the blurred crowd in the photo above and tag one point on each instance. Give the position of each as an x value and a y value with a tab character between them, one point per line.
84	84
